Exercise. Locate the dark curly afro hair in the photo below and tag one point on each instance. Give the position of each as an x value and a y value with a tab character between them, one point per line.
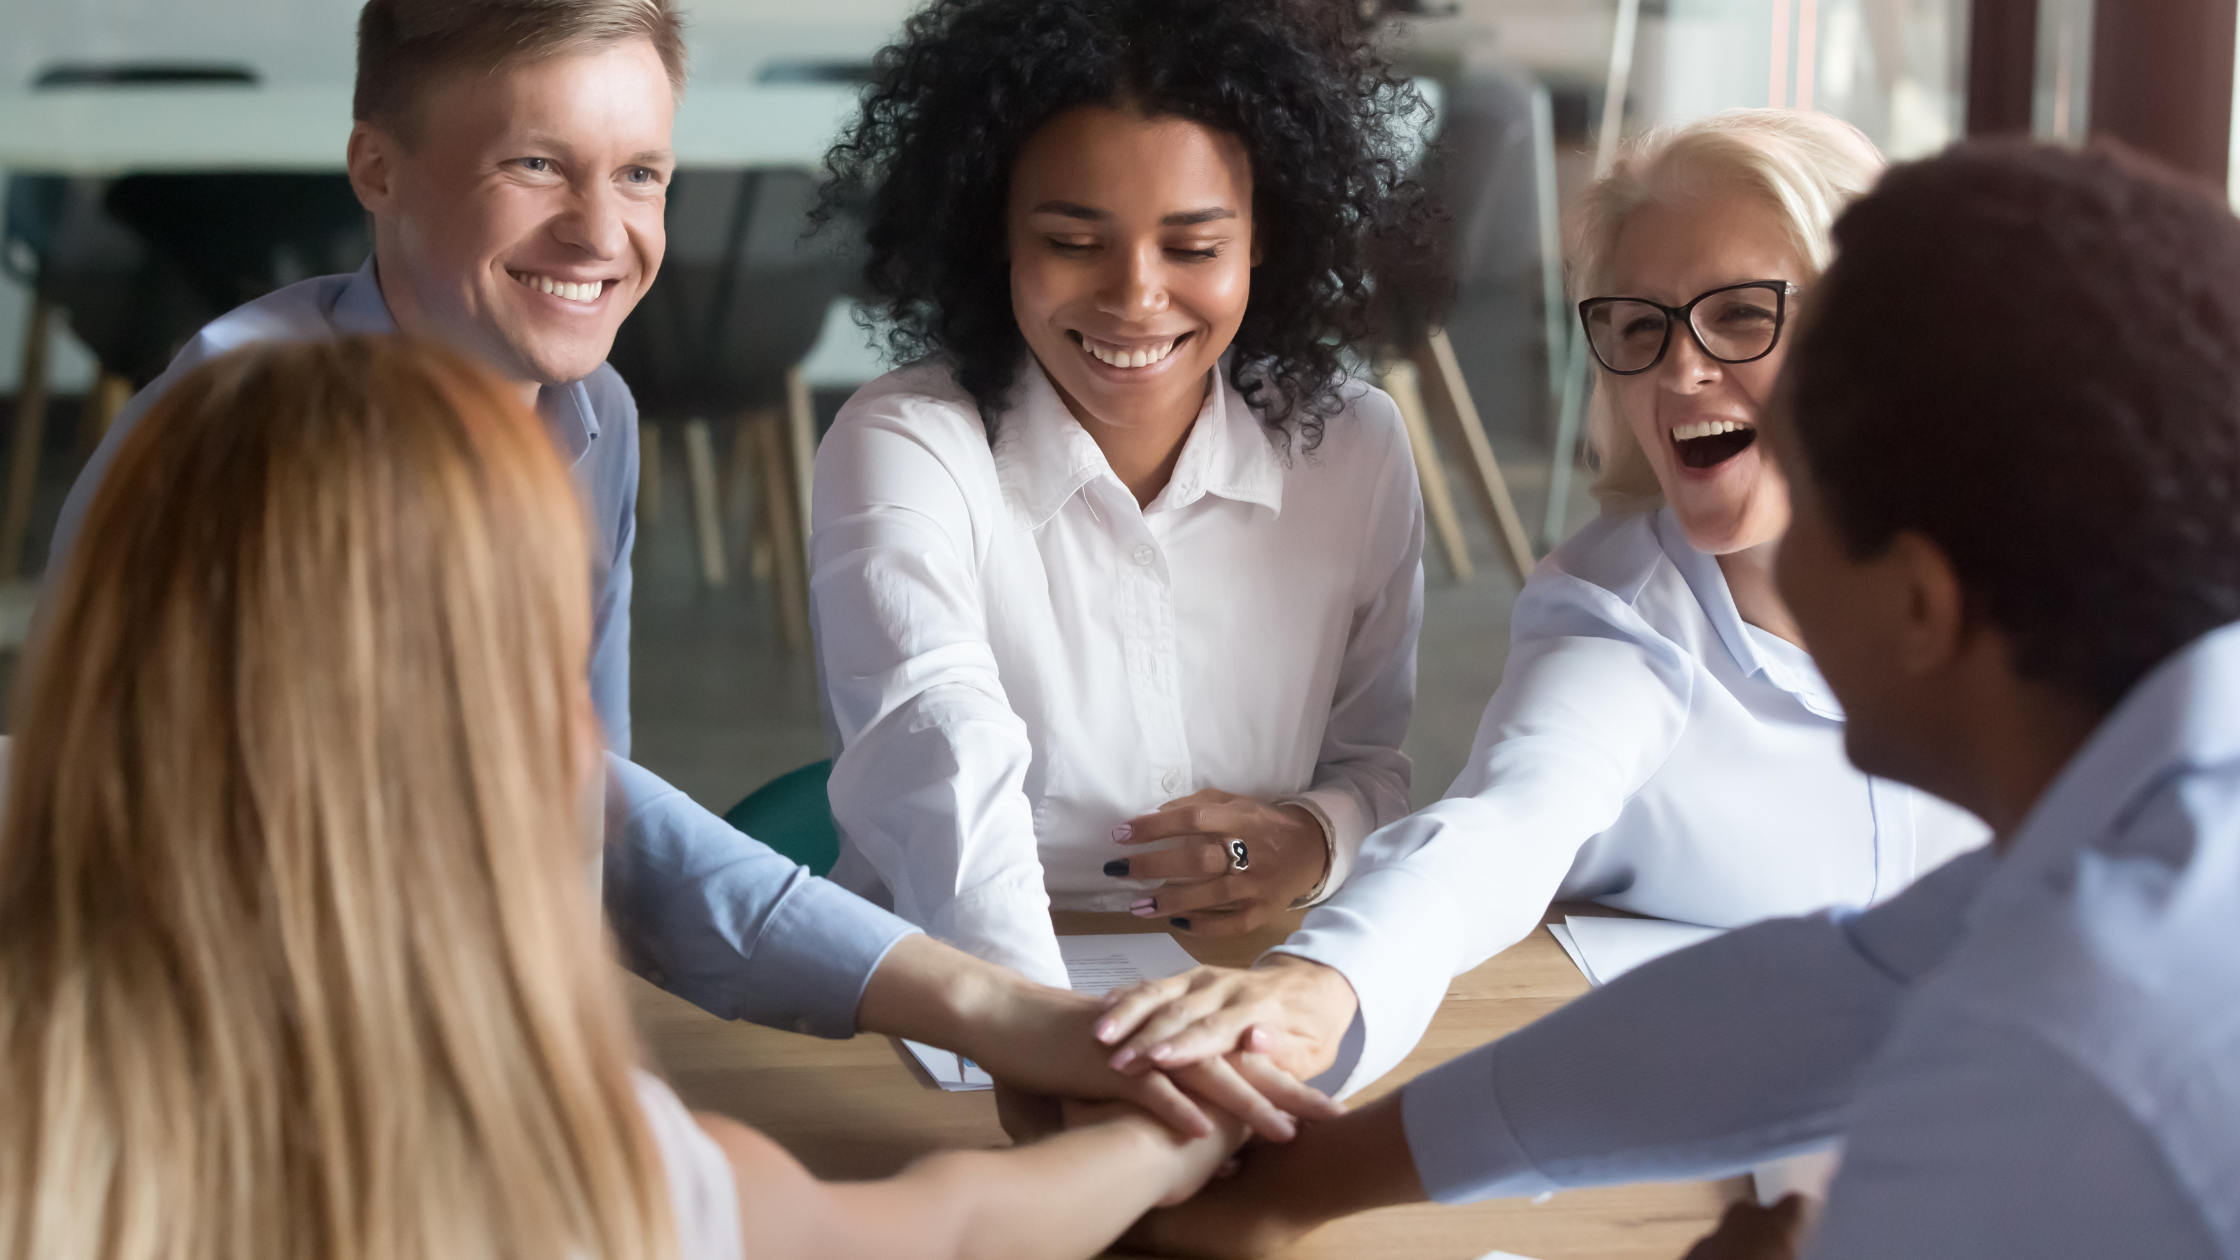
1326	123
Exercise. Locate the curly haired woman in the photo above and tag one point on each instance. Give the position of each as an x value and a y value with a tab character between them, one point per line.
1117	583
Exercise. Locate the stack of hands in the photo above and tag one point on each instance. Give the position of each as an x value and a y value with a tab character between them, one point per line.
1218	1056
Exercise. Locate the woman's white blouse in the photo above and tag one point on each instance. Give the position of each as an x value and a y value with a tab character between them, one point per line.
1646	749
1019	658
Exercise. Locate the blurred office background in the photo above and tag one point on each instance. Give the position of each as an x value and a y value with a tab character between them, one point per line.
168	159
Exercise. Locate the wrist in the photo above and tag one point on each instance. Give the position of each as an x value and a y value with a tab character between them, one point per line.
1320	835
1317	988
928	991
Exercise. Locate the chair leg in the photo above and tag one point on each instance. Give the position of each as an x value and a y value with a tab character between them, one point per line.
801	440
1399	380
649	477
31	432
110	393
800	465
782	518
1447	399
747	479
707	518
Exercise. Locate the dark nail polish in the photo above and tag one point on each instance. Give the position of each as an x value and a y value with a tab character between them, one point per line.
1184	924
1117	867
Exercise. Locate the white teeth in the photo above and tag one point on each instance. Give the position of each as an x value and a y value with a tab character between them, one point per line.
1124	358
585	292
1704	429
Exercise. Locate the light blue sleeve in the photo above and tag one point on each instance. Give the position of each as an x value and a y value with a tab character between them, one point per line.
1982	1140
615	505
1700	1064
724	922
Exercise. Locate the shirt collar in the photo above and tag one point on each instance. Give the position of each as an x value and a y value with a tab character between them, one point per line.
1783	664
1043	456
2184	714
359	309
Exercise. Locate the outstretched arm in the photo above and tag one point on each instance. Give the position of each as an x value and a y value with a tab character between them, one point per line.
1591	701
1064	1197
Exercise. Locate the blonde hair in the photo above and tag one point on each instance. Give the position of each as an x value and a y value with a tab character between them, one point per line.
296	957
1807	166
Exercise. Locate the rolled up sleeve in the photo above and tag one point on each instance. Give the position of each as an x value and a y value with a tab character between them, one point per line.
726	923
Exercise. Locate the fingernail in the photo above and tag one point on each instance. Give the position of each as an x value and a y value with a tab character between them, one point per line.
1184	924
1117	868
1160	1053
1144	911
1121	1060
1140	902
1285	1130
1122	832
1104	1032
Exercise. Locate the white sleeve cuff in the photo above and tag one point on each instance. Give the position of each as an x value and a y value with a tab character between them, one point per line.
1345	824
1008	923
1384	936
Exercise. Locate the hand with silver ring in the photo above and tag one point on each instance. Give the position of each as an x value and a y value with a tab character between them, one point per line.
1228	863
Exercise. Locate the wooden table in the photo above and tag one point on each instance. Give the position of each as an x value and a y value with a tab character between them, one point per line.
859	1109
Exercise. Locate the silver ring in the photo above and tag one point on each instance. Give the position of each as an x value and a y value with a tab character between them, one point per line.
1239	859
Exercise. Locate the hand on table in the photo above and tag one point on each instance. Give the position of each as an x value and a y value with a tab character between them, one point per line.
1291	1009
1285	852
1749	1232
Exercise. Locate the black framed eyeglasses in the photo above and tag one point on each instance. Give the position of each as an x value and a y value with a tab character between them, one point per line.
1734	324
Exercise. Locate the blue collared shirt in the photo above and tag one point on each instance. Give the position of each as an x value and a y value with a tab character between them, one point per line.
706	912
2034	1054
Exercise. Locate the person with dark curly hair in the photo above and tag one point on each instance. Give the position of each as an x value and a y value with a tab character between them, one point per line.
2011	431
1117	582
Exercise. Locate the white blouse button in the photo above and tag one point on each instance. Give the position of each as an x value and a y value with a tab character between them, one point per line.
1171	781
1145	555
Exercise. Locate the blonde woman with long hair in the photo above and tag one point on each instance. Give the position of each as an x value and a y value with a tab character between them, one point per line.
298	956
1661	741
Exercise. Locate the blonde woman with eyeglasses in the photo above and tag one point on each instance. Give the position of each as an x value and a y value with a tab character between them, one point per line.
1661	741
298	956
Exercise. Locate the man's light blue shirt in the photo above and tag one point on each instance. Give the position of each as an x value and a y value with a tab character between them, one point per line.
700	909
2034	1054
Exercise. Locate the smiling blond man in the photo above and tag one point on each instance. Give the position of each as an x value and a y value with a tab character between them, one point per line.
514	156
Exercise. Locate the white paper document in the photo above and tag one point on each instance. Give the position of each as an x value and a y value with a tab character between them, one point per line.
1604	949
1097	964
950	1070
1094	965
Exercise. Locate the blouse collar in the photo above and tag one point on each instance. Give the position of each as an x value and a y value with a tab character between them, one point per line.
1043	455
1758	652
